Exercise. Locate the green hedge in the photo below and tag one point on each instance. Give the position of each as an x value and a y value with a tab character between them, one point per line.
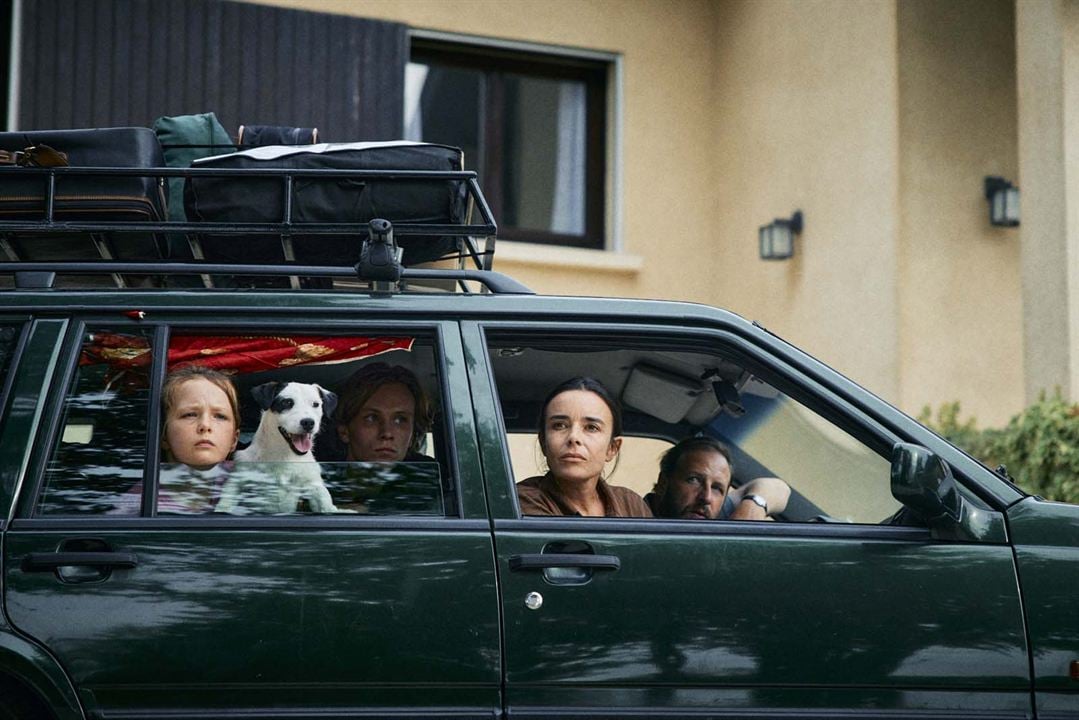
1039	446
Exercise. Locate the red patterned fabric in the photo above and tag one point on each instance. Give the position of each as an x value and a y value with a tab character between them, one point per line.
235	354
248	354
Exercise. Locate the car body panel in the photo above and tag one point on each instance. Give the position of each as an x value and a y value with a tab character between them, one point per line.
321	615
33	668
710	611
1046	537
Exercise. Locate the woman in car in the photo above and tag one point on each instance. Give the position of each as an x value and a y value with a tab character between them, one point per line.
580	431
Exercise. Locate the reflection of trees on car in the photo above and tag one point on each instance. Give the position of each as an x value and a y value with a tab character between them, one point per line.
86	473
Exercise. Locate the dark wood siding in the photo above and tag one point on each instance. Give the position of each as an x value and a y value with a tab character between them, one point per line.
102	63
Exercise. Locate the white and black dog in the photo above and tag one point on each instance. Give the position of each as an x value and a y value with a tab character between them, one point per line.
292	415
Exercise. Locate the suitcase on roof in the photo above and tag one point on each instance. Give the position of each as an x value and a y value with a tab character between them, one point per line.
261	199
82	198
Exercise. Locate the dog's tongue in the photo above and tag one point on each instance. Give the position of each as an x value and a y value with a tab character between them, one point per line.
302	443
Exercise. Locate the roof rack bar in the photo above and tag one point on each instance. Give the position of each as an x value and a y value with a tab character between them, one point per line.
494	281
104	233
239	228
485	210
465	175
288	199
50	199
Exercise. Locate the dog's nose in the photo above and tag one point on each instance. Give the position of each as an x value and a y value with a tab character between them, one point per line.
307	424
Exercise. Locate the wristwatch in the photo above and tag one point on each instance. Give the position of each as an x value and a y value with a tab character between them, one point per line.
758	500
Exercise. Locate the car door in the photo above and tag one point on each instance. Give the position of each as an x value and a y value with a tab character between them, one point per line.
298	615
614	617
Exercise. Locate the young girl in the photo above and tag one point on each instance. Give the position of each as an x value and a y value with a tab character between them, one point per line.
200	410
580	431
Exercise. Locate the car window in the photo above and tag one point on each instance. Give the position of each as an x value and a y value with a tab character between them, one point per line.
101	450
837	472
251	424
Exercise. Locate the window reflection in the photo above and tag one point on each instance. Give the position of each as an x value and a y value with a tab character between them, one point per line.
101	452
257	489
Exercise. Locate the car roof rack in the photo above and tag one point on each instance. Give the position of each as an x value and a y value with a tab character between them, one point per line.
48	238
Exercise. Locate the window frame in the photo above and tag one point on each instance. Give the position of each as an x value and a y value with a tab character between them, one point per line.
601	74
22	325
161	329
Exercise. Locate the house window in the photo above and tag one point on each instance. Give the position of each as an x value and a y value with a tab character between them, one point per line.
533	126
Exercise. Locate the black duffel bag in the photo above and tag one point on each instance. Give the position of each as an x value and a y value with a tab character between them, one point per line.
328	200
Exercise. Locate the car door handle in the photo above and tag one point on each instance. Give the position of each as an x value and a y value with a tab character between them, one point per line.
542	561
39	562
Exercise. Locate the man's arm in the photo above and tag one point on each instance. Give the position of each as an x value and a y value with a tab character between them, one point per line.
774	492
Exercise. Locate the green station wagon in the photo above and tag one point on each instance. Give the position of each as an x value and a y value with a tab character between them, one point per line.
902	579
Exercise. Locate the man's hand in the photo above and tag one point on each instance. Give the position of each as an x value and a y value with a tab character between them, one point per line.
775	492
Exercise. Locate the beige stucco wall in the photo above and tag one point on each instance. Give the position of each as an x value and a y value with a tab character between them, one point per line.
806	118
1047	49
1044	263
959	281
878	119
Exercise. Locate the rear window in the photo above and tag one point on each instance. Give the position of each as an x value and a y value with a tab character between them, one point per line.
250	425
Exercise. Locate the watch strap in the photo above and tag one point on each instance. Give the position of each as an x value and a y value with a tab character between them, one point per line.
757	499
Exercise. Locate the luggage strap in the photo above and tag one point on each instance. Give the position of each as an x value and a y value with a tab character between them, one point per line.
40	155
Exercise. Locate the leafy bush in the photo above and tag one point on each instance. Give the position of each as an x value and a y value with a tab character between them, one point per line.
1039	446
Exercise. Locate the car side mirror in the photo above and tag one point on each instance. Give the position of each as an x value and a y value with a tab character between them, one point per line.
923	482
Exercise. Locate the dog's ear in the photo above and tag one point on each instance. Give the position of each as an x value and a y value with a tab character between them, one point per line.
329	401
265	393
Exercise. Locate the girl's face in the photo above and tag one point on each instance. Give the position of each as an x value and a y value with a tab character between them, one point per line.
577	439
200	430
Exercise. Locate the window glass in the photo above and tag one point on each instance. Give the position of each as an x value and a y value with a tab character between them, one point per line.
101	452
533	128
667	395
255	425
9	338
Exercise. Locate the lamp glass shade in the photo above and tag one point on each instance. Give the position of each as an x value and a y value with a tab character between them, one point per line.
782	240
1011	206
777	239
1004	205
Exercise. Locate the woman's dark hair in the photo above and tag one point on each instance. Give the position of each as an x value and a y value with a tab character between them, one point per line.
366	381
669	461
591	385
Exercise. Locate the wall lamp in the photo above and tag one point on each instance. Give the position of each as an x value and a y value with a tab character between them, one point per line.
777	238
1003	200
